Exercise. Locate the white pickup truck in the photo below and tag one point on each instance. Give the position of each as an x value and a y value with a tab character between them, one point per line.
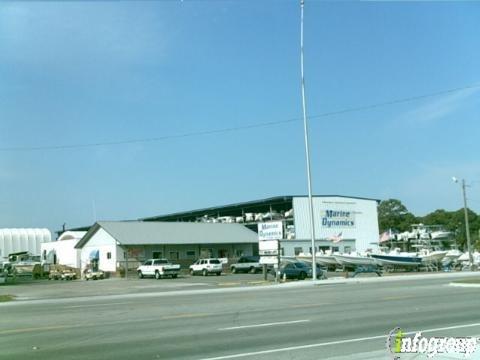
158	268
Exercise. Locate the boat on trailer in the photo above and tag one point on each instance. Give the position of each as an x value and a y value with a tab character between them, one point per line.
354	260
432	256
398	259
326	259
322	258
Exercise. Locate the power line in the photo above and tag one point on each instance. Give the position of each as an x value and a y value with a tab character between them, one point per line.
236	128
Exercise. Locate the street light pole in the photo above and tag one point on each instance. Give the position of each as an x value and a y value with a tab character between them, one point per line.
307	149
467	226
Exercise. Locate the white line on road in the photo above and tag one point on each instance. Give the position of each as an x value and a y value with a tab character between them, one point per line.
94	305
264	325
338	342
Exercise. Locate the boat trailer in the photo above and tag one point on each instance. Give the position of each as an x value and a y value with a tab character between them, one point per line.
365	269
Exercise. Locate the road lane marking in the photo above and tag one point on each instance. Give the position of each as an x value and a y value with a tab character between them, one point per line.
93	305
337	342
184	316
465	285
306	306
121	322
229	283
35	329
263	325
399	297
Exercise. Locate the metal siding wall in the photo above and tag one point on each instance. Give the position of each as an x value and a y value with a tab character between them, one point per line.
364	232
15	240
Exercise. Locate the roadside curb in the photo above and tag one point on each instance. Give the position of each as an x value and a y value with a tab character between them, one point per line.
250	288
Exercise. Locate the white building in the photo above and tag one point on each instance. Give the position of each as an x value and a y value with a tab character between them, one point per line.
107	243
63	250
18	240
352	220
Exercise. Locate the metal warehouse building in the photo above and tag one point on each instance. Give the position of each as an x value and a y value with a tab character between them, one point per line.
106	244
17	240
353	219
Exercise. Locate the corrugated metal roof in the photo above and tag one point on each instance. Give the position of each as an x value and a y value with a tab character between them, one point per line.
243	205
146	233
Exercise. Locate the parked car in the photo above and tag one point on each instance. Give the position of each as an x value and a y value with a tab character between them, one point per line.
60	272
299	270
55	275
249	264
68	275
206	266
94	275
158	268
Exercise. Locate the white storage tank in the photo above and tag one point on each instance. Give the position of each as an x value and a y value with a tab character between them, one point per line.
17	240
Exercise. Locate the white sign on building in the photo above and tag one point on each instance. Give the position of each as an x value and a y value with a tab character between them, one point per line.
268	260
272	230
268	248
355	218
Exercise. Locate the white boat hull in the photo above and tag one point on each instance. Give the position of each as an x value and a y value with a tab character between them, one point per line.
327	260
435	256
397	260
321	259
453	254
350	260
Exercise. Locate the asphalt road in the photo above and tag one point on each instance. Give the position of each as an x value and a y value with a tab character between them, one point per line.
338	321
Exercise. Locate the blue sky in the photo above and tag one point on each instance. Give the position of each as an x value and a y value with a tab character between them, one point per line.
88	72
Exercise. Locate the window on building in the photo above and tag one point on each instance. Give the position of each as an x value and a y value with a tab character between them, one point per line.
44	254
206	253
282	251
223	253
156	254
190	254
347	249
238	253
335	248
109	255
298	250
324	248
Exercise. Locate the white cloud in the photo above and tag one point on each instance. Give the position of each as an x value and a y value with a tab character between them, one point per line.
437	108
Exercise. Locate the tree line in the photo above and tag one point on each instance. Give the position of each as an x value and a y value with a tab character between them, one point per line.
394	216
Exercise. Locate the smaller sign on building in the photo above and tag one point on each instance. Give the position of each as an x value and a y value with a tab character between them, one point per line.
268	248
272	230
269	260
269	252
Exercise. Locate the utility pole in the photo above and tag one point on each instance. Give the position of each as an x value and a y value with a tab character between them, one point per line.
467	226
307	149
